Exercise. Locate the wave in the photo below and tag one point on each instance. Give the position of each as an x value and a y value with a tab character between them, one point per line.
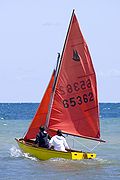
85	161
74	165
16	152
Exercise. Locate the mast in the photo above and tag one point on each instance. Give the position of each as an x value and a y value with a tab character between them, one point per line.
51	98
56	69
58	65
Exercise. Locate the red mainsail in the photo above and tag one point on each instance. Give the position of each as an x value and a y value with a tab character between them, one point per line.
41	114
74	108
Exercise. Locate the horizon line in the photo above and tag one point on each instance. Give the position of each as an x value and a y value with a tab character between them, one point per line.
39	102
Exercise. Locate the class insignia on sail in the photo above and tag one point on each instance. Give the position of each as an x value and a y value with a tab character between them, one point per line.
76	56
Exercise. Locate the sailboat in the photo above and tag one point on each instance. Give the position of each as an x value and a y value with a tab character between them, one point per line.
70	102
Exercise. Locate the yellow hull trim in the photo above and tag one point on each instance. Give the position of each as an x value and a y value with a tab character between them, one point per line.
45	154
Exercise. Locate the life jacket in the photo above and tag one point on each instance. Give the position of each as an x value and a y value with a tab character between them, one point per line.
42	139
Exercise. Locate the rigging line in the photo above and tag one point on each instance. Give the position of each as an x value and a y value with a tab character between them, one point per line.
85	145
79	143
95	146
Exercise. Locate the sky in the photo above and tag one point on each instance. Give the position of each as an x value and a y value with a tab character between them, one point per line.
32	32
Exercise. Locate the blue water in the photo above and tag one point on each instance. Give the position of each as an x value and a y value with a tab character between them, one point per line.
14	120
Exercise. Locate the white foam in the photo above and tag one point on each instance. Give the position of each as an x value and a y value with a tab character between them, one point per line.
26	155
15	152
5	124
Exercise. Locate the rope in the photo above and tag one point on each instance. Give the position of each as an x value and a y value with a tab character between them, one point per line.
85	145
95	146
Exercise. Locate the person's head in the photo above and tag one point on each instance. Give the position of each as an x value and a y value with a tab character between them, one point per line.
42	128
59	132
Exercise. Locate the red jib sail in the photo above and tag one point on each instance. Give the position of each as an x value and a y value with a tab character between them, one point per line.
40	116
75	104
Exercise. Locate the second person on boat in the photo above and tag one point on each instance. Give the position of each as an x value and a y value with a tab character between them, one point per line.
59	142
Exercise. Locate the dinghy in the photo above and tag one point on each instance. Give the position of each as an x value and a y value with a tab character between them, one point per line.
70	102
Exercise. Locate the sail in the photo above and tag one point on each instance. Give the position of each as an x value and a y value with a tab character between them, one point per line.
75	104
40	116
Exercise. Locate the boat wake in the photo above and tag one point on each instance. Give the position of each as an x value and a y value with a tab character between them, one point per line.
79	163
26	155
102	161
16	152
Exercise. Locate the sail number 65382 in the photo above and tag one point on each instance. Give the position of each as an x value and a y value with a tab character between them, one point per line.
73	101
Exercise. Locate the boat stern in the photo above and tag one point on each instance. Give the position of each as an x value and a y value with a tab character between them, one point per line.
83	155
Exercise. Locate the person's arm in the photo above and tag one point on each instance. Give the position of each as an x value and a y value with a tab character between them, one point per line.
65	144
51	142
49	137
37	139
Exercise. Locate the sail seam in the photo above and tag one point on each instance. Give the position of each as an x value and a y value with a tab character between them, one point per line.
90	108
87	75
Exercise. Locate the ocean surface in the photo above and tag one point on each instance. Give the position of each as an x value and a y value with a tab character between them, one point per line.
15	165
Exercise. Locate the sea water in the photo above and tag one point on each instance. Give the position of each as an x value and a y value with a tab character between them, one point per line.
14	121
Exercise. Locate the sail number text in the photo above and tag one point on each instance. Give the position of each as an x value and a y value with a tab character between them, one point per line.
80	92
73	101
76	86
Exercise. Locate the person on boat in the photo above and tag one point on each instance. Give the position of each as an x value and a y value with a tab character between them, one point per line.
42	138
59	142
